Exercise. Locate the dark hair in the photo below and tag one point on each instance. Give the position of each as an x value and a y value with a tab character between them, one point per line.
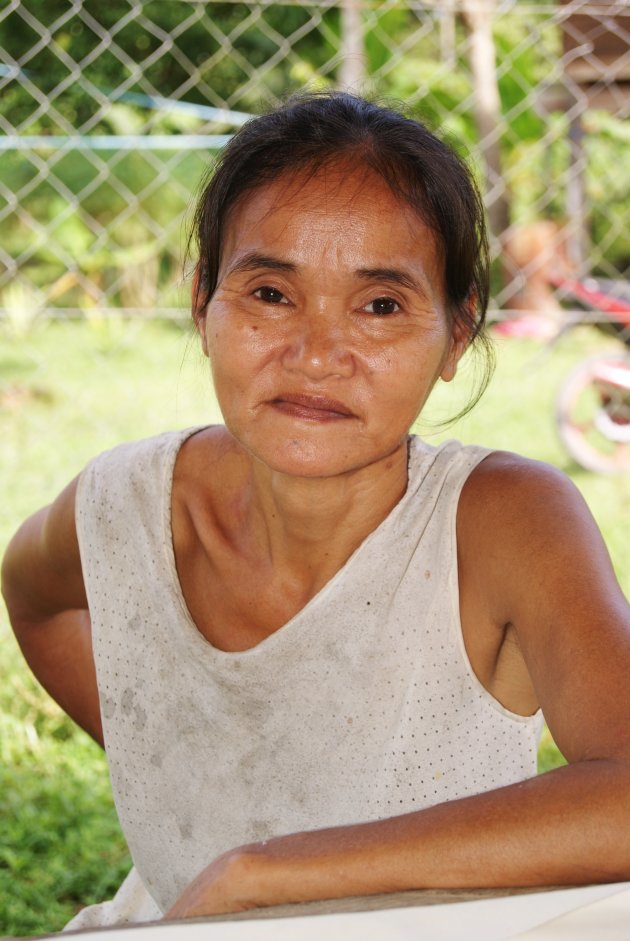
313	129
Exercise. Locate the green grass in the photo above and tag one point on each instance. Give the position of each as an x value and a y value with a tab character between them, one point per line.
61	845
70	390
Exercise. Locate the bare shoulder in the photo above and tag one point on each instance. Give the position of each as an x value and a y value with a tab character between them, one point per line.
41	570
533	558
527	525
506	481
526	508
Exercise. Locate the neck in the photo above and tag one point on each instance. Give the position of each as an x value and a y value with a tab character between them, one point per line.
311	526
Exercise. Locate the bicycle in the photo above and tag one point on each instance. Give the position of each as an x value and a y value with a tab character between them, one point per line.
592	409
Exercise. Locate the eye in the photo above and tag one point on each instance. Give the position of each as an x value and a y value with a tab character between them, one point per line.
270	295
382	306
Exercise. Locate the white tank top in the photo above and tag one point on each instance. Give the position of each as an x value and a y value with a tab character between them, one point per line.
362	706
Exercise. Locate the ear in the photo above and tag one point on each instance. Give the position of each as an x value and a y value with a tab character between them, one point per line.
199	311
460	337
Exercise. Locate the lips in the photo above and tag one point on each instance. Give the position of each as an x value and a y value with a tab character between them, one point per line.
313	407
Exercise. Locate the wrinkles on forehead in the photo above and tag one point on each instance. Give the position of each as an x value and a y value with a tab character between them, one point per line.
292	187
318	194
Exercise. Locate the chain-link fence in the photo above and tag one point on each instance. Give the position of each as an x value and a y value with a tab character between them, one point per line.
111	111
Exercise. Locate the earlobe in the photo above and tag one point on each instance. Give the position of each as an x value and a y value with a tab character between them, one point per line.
200	318
201	327
460	338
457	350
450	370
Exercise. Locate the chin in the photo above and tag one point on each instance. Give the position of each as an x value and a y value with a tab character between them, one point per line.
316	458
298	458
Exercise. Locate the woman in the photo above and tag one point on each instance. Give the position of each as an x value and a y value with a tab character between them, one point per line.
314	647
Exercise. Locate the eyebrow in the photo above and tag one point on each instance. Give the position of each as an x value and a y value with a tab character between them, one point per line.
254	260
394	276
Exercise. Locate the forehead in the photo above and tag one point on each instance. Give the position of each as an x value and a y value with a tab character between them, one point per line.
337	212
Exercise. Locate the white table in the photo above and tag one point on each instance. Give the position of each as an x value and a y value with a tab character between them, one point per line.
591	913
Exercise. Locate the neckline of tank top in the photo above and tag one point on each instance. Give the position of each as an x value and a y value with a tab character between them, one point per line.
418	454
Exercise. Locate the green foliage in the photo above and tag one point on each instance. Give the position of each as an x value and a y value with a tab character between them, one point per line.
102	245
222	45
608	182
523	66
109	224
61	845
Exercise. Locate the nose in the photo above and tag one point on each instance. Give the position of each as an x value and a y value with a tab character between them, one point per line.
319	348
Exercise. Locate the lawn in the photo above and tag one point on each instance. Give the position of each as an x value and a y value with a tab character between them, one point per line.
69	390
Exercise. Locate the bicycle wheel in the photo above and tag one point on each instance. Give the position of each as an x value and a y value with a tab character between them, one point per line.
593	413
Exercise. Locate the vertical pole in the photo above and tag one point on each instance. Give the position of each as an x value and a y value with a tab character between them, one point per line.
576	229
446	13
352	71
478	15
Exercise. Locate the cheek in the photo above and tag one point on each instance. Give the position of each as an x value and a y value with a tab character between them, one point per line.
380	361
237	348
406	373
415	358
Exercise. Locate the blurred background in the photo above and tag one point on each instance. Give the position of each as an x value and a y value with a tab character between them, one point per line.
111	114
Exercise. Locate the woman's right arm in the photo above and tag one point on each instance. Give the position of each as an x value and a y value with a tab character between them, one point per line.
42	584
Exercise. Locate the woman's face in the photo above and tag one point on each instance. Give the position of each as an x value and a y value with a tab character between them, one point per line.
327	329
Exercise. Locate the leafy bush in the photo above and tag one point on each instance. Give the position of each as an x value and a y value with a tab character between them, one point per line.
61	845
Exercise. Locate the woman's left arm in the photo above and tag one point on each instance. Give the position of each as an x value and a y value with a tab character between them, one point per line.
546	572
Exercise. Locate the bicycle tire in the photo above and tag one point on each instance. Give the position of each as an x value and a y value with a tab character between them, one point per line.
577	406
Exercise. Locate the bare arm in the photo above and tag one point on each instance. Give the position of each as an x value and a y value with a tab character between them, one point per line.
43	588
534	558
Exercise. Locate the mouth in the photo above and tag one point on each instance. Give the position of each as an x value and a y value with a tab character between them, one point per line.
317	408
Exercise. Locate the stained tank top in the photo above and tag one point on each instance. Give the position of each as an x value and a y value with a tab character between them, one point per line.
363	706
